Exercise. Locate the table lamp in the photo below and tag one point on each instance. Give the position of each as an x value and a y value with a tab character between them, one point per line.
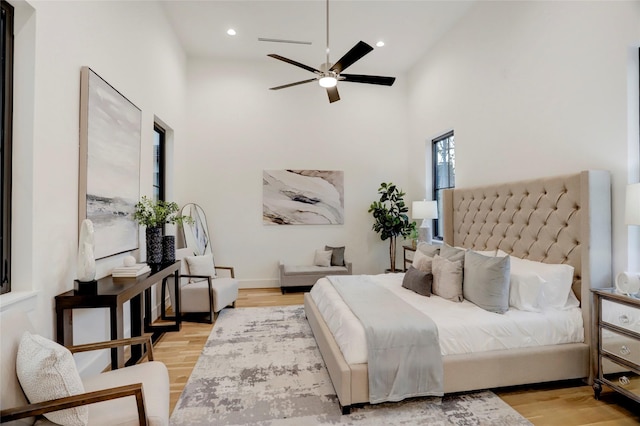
425	210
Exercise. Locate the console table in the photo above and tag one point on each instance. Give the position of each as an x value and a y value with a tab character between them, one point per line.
112	293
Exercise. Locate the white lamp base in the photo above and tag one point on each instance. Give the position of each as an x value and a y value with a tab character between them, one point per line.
424	233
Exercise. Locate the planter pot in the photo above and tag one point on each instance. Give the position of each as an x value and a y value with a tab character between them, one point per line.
154	245
168	249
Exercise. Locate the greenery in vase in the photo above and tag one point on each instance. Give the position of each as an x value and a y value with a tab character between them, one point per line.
154	214
391	219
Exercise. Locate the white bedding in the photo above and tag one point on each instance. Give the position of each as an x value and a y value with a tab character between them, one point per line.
462	327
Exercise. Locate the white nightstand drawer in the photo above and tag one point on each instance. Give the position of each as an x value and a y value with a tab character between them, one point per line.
624	316
620	376
623	346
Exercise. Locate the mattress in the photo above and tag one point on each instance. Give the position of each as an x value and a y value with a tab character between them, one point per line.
462	327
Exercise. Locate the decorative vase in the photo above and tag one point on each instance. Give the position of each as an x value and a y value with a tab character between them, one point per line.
168	249
86	262
154	245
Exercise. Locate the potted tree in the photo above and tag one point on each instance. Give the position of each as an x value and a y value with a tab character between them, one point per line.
390	215
153	215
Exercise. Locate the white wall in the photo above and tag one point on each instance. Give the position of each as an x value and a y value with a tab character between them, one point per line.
238	128
535	89
129	44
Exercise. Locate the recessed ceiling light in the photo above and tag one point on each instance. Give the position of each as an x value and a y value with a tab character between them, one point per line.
231	32
380	43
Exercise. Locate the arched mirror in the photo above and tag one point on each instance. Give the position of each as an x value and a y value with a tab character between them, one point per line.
196	233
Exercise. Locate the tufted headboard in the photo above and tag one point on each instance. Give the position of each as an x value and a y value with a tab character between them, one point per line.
564	219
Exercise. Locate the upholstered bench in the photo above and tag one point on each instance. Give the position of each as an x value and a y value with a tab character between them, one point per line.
299	276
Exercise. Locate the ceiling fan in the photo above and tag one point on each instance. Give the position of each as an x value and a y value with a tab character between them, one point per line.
330	74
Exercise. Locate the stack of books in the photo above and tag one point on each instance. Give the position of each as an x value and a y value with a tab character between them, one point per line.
130	271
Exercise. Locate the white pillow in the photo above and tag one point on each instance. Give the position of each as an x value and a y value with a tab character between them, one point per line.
524	291
422	262
557	280
46	370
322	258
200	265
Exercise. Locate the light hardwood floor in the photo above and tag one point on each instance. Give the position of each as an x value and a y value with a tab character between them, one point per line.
561	404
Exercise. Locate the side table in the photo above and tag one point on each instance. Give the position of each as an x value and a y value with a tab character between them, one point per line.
112	293
407	259
617	343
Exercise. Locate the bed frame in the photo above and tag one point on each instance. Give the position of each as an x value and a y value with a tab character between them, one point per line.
565	219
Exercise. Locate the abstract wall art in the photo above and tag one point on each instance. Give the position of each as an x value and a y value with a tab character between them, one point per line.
303	197
109	185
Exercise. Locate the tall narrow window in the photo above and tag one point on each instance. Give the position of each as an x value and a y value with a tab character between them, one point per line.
6	93
444	174
158	162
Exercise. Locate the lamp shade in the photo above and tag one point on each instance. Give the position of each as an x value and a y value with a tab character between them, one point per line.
424	210
632	210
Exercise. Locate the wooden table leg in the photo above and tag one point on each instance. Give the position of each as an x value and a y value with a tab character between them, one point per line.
116	321
137	319
64	327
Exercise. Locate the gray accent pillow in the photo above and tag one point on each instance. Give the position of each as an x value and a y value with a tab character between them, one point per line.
452	253
418	281
486	281
447	279
337	255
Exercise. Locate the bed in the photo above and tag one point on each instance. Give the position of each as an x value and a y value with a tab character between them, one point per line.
555	220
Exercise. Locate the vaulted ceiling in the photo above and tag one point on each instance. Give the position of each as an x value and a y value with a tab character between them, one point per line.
408	29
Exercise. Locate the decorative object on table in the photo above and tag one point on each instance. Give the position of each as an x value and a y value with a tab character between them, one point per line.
168	249
129	261
391	220
154	244
628	283
130	271
86	262
109	183
414	238
427	211
302	197
153	215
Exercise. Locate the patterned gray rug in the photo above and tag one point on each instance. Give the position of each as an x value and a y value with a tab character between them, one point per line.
262	366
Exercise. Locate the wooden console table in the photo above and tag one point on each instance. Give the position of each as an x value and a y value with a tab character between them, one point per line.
112	293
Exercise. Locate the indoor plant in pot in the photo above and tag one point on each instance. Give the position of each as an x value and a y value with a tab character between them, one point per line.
390	215
153	215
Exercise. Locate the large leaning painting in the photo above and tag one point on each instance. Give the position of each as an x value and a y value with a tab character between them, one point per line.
109	187
303	197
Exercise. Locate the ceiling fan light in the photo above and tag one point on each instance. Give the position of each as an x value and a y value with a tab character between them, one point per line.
328	81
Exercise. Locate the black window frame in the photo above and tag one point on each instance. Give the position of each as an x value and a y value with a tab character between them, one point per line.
449	139
159	162
6	93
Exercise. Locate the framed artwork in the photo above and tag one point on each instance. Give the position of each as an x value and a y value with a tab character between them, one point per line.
109	187
302	197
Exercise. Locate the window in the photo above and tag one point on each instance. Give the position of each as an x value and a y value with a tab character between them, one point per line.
6	93
158	162
444	174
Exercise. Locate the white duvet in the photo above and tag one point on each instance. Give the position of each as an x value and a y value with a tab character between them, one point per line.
462	327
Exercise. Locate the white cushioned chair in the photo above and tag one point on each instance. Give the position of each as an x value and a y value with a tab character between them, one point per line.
134	395
202	292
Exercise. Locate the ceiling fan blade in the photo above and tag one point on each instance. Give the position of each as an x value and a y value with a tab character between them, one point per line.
370	79
333	94
356	52
292	62
292	84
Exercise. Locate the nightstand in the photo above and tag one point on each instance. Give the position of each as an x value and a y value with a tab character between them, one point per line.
407	256
617	343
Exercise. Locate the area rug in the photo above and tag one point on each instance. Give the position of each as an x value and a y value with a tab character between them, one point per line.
261	366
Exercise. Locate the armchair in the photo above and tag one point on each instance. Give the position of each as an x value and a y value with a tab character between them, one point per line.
202	291
134	395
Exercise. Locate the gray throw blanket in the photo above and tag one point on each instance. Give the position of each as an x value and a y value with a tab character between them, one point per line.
402	342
